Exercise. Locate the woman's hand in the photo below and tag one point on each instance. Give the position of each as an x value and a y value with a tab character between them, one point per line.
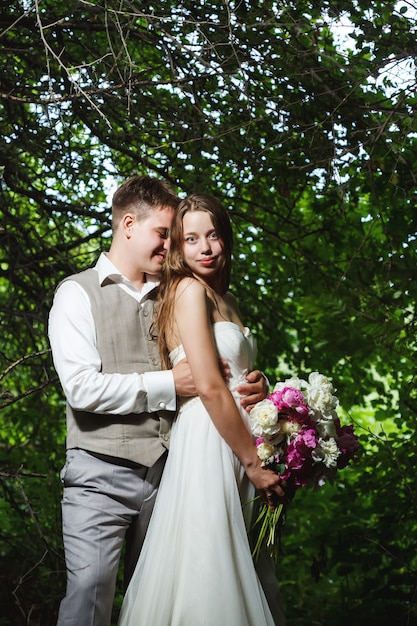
270	486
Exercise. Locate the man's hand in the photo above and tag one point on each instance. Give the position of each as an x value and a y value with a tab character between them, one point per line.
183	380
225	370
254	390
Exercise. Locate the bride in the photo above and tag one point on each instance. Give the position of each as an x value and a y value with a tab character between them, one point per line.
196	568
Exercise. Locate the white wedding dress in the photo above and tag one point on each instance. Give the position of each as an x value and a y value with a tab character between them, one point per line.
196	568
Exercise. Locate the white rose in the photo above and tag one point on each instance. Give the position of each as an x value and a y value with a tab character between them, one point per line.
320	399
266	453
294	382
264	418
318	380
290	428
326	452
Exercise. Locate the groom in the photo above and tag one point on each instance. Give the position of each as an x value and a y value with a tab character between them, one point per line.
119	404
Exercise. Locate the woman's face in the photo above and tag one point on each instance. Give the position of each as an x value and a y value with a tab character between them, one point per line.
202	248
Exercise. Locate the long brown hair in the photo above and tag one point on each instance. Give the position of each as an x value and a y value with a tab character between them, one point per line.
175	267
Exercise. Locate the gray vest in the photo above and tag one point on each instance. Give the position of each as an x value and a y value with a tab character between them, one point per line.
125	345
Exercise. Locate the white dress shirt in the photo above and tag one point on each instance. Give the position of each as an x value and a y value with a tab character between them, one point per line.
77	361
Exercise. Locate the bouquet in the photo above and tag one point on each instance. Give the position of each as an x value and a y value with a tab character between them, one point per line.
299	435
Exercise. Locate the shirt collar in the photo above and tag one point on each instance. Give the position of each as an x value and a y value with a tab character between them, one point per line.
106	269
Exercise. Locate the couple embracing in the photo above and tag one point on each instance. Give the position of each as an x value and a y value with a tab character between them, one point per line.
150	361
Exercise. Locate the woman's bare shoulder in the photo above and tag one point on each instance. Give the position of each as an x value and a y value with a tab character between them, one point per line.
232	303
189	287
230	299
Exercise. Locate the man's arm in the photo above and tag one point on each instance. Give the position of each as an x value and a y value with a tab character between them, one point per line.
78	364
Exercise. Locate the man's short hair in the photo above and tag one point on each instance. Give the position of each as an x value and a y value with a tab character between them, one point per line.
140	195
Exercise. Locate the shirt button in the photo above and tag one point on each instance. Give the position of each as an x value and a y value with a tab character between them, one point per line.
162	405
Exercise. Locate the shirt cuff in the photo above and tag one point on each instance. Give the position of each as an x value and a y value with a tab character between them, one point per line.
160	388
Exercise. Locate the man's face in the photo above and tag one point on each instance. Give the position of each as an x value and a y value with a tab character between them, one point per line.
150	237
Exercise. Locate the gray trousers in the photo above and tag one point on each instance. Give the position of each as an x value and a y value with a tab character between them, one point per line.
103	504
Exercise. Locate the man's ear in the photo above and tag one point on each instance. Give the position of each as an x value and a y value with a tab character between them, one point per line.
127	224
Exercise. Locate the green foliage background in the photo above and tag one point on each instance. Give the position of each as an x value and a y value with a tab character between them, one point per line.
311	143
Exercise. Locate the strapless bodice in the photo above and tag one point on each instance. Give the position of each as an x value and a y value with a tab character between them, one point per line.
238	348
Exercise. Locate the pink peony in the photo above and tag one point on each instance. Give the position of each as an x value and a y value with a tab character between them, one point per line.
299	461
290	400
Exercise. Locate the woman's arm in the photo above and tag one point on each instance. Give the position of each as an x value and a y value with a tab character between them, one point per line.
192	317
